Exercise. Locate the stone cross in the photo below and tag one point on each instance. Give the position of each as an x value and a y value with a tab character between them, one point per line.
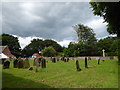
103	53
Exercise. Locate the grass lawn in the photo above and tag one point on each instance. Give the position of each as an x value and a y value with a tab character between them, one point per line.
63	75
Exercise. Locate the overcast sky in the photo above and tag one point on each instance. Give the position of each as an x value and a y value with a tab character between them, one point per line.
49	20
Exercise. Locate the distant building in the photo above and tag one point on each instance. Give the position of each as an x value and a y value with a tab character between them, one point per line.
35	55
5	52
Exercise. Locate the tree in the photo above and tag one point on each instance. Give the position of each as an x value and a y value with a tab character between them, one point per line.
54	44
12	43
35	46
110	12
86	36
49	52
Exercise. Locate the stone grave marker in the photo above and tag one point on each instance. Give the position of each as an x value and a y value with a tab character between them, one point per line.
6	65
77	66
43	63
86	65
15	63
20	63
26	63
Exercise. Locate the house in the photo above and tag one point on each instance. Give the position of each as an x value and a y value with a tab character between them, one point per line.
35	55
5	52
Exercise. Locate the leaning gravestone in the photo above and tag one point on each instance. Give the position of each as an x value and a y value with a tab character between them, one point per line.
26	63
20	63
6	65
77	66
99	61
30	68
67	59
86	66
43	63
15	63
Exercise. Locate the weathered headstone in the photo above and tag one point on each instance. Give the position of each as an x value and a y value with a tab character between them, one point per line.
54	60
26	63
20	63
6	65
30	68
15	63
86	66
99	61
77	66
43	63
36	62
67	59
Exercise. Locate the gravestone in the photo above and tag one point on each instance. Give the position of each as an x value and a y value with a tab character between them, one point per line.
54	60
30	68
86	66
43	63
6	65
67	59
26	63
77	66
15	63
99	61
20	63
36	62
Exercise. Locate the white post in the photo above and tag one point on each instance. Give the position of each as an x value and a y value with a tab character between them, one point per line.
103	53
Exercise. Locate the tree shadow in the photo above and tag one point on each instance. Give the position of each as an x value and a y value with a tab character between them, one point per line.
10	81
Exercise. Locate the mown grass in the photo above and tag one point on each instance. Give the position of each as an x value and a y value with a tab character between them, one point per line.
64	75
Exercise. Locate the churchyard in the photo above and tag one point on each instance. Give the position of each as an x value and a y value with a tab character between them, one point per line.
63	74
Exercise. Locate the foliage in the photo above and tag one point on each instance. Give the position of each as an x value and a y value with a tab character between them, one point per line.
110	12
35	46
109	44
38	45
54	44
12	43
49	52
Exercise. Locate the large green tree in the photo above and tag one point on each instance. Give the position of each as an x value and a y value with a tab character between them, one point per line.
12	43
86	36
110	12
49	52
35	46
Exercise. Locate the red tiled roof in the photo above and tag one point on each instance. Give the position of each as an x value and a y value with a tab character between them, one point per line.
36	54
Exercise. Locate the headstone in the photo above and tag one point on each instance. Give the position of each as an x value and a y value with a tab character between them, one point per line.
26	63
30	68
89	58
36	62
54	60
77	66
6	65
67	59
43	63
99	61
86	66
20	63
15	63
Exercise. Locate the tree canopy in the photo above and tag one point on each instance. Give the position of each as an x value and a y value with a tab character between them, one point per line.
12	43
110	12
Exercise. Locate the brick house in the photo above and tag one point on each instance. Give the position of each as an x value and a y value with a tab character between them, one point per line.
5	50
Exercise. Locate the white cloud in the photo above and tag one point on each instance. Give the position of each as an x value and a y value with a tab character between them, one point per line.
64	43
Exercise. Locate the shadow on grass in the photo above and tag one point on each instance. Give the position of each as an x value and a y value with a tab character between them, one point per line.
11	81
